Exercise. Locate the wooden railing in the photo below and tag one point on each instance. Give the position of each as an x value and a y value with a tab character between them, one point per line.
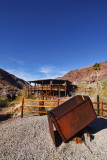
48	87
101	107
57	101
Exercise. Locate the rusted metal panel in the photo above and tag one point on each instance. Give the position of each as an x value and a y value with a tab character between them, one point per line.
71	117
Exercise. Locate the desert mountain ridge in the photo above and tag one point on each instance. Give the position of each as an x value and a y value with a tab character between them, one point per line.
87	74
10	83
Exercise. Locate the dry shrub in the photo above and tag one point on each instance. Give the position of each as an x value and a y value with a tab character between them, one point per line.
3	102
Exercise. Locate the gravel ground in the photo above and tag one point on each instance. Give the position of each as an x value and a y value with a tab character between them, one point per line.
29	139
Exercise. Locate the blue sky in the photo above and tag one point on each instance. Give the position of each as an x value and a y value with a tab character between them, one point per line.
47	38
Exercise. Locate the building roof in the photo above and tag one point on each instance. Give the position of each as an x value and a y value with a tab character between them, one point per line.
47	81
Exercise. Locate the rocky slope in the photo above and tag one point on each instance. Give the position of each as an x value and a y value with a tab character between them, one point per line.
87	75
10	83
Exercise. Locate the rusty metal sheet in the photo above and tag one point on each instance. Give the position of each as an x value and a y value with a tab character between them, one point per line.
71	117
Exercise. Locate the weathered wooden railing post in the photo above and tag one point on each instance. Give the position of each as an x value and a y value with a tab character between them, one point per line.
57	102
22	107
98	105
101	102
41	103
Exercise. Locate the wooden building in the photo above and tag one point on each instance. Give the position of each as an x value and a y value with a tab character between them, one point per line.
49	88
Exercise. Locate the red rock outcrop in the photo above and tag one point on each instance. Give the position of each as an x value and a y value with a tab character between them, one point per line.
87	74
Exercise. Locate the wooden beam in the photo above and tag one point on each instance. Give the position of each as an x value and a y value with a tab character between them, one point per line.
59	90
57	102
34	87
38	91
31	89
22	107
38	100
41	112
46	91
65	89
41	103
101	108
39	106
98	106
50	88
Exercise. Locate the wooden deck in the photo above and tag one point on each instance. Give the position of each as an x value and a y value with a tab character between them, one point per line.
48	88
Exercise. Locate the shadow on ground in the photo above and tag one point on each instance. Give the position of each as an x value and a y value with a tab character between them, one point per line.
57	138
98	124
4	117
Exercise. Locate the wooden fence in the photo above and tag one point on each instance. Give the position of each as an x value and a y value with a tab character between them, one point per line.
58	101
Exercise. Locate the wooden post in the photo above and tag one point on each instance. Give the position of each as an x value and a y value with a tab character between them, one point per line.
31	89
57	102
65	89
46	93
59	90
34	88
22	107
50	88
98	105
37	91
50	92
41	103
101	108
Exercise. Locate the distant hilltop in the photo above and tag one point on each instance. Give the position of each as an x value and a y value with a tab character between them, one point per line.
10	83
87	74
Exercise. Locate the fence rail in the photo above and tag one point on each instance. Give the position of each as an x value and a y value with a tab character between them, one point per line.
58	101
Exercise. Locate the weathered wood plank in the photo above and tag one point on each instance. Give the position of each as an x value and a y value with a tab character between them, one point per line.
39	106
35	111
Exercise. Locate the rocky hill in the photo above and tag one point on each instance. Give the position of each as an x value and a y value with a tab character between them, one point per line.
10	83
87	75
